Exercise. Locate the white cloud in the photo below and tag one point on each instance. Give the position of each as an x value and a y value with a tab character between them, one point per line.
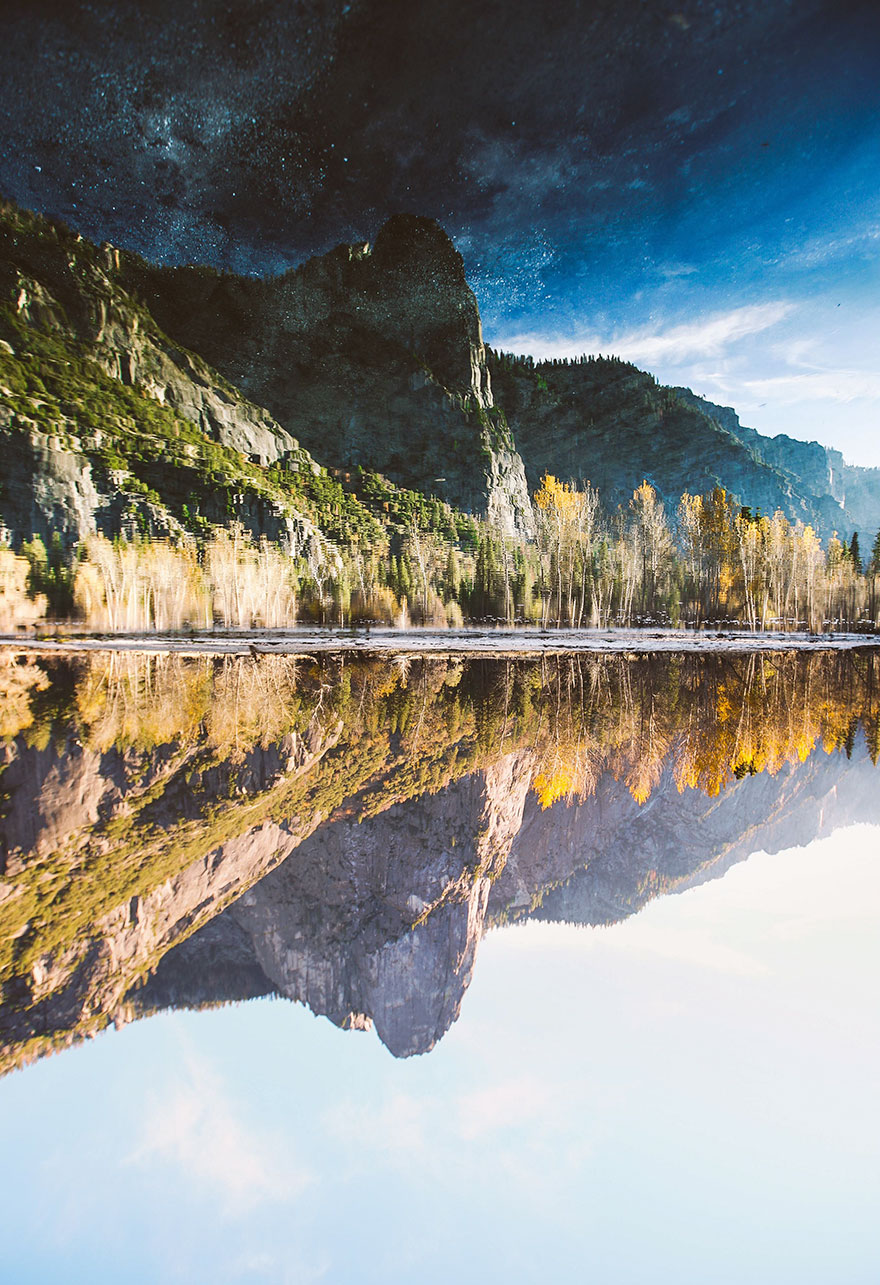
708	336
819	385
822	250
545	347
196	1130
675	271
500	1107
396	1128
277	1268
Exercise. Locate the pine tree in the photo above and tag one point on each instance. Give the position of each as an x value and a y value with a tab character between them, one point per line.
874	564
855	553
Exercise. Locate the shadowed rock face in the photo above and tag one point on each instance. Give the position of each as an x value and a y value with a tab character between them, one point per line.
370	356
187	831
379	923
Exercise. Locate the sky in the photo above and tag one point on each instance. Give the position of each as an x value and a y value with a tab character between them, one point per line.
687	1096
691	185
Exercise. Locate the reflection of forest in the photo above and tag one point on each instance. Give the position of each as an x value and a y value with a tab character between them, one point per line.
145	794
714	717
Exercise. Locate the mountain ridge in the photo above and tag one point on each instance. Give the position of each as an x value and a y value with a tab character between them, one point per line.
368	357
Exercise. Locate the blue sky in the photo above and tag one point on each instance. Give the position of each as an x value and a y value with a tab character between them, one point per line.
738	252
689	1095
790	360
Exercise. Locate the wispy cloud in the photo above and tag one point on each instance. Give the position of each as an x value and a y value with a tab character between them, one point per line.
819	385
195	1128
503	1106
708	336
396	1128
819	251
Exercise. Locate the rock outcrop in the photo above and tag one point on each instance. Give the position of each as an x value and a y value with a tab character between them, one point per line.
62	474
382	918
371	356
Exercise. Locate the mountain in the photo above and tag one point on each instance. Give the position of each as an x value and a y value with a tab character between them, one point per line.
331	927
371	355
817	469
343	831
606	421
109	421
139	398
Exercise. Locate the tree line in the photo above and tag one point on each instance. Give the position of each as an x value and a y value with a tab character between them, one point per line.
711	563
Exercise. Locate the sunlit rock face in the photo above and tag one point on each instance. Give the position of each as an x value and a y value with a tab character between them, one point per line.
383	917
56	483
342	831
382	921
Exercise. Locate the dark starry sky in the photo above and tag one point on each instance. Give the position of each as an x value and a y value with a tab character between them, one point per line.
622	175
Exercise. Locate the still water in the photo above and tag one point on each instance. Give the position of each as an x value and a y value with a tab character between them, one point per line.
583	954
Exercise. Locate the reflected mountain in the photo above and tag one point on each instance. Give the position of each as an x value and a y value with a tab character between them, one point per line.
343	830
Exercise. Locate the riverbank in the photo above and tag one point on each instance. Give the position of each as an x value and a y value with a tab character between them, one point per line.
471	642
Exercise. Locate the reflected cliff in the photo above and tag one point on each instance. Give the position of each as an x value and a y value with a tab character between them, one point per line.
342	831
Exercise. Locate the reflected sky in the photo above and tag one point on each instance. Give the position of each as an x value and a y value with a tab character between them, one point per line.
685	1096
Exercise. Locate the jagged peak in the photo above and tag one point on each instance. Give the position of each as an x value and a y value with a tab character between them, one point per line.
406	238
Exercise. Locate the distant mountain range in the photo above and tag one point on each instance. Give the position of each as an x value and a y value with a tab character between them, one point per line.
171	399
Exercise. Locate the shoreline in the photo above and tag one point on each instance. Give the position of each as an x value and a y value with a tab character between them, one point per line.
497	643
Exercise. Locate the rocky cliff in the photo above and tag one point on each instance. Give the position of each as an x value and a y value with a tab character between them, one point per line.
372	356
106	422
378	924
138	398
183	831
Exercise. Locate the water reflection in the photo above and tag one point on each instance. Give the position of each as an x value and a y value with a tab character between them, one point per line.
343	831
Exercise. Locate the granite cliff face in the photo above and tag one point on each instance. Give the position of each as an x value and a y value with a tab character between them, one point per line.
124	383
185	831
381	920
372	356
378	924
138	398
599	861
